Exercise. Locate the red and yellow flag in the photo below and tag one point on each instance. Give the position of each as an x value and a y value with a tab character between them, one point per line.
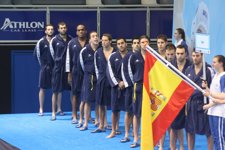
164	95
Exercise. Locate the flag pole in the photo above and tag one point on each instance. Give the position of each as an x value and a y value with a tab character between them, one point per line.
204	74
174	69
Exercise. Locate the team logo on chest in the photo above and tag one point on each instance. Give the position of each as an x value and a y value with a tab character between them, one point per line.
137	60
89	55
116	59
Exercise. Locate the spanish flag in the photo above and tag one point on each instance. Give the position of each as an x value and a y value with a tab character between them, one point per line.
164	95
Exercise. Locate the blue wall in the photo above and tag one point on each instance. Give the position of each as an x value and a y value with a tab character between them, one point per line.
25	71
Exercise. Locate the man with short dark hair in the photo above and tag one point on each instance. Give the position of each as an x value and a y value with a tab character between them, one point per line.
136	66
170	52
135	44
46	64
128	89
196	119
58	48
103	88
115	79
181	63
74	76
86	60
161	44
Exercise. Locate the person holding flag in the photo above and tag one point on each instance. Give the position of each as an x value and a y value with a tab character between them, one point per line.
196	119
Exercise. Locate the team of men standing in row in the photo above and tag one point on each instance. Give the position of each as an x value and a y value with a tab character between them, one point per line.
113	77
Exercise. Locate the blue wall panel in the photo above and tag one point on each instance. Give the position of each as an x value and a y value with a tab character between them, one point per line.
127	24
25	71
161	22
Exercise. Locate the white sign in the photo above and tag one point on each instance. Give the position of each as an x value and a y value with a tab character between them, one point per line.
202	43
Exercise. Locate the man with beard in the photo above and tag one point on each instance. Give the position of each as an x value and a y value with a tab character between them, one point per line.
58	47
128	89
115	79
196	119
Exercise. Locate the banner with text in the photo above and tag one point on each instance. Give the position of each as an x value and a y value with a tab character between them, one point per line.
22	25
